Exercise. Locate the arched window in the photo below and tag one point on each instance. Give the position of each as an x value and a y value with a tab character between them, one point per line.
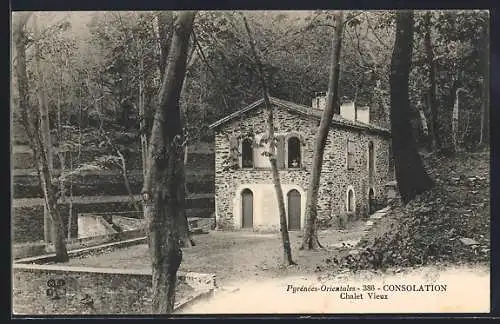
294	157
246	153
350	200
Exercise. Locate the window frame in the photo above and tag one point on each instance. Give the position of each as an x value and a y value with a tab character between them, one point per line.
242	145
285	165
299	155
350	156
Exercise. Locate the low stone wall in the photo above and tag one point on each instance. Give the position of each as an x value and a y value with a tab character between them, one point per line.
90	225
26	250
27	221
51	289
39	249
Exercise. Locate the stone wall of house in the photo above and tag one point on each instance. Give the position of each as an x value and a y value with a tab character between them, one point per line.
339	179
335	177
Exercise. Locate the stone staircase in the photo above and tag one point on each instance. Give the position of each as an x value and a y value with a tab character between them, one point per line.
375	217
368	225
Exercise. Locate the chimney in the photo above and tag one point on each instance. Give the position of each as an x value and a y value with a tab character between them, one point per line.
363	114
319	100
347	111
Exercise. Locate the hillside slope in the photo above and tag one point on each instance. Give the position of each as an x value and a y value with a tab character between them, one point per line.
449	224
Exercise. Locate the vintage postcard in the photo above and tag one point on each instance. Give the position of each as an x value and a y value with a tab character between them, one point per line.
250	162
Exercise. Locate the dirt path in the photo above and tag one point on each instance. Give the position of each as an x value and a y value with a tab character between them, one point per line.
234	256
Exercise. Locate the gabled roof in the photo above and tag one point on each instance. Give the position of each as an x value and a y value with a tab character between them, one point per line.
306	111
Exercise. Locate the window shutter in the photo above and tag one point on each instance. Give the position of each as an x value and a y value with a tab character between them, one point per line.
280	151
233	152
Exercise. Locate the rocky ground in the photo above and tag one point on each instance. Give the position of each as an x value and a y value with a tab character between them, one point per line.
449	224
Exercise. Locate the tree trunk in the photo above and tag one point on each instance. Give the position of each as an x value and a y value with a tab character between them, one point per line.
465	134
423	120
164	184
54	228
485	123
183	227
410	174
142	117
126	181
186	155
359	84
70	212
185	239
45	127
454	120
165	29
35	138
484	138
287	251
425	128
310	238
61	154
436	143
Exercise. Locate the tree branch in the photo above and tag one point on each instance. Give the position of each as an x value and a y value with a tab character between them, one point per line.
204	59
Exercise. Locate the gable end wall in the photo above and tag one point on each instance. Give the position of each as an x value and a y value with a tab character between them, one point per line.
335	178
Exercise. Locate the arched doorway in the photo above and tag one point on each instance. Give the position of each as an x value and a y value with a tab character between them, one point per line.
350	201
247	208
294	210
371	202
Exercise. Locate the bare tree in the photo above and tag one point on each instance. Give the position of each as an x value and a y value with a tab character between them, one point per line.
271	140
165	21
163	191
410	174
44	123
310	238
38	142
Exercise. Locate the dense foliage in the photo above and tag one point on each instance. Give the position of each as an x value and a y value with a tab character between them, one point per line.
94	63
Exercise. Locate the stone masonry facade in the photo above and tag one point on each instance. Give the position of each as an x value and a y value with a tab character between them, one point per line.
336	178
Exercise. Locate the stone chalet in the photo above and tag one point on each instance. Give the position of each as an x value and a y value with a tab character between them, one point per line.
357	164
